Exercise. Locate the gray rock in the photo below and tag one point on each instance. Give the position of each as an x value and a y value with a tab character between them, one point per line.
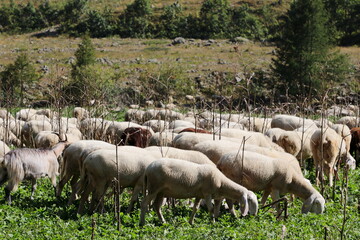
240	40
179	40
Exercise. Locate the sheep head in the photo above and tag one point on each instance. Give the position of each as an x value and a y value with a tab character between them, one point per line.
315	204
253	203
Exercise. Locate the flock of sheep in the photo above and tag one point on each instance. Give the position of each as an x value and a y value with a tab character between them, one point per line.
204	156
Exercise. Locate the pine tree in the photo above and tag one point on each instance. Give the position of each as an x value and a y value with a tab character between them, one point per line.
81	72
303	60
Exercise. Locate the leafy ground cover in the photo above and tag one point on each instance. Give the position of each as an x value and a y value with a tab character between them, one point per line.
49	218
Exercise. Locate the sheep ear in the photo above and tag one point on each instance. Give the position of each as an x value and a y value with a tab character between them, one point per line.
307	205
244	205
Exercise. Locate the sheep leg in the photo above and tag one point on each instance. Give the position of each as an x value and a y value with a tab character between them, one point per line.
145	207
8	195
265	196
83	199
195	208
134	197
275	195
76	187
61	185
157	207
210	207
33	188
217	208
230	204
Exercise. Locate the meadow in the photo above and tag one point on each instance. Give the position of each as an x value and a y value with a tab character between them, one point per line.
46	217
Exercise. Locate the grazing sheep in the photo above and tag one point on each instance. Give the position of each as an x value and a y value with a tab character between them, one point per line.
25	114
100	169
290	123
170	115
134	115
355	142
28	163
258	172
214	150
181	124
73	158
195	130
115	130
297	143
48	139
274	134
151	114
94	128
135	136
257	124
187	155
9	137
179	179
344	131
349	121
80	113
5	114
156	125
3	149
31	129
327	146
254	138
163	138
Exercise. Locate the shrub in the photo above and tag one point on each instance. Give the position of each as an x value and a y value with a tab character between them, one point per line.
214	18
16	79
135	21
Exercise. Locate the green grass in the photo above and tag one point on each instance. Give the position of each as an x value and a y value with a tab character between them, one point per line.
48	218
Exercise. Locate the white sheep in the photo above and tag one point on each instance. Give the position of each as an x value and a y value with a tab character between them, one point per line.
274	134
80	113
73	158
28	163
134	115
25	114
101	167
31	129
328	147
351	122
271	175
180	124
9	137
255	138
297	143
156	125
344	131
94	128
163	138
257	124
115	129
290	123
180	179
187	155
5	114
48	139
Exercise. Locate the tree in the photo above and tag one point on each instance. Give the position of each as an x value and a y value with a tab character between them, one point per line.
214	18
135	21
304	64
81	73
16	78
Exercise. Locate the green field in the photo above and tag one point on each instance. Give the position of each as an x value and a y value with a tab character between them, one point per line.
45	217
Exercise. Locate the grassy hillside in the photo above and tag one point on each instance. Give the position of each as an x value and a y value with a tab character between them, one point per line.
190	6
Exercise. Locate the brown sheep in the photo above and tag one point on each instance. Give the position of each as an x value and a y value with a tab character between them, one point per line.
136	136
